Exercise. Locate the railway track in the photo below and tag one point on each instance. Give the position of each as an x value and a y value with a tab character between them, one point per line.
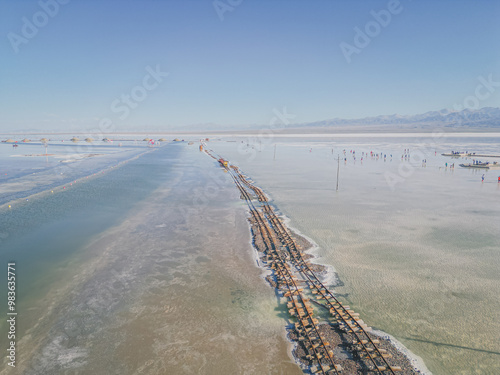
284	257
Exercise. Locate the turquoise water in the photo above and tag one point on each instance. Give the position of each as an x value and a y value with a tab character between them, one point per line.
146	268
40	234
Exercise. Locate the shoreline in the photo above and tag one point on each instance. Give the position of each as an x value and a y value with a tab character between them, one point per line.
313	250
417	362
330	275
346	348
410	363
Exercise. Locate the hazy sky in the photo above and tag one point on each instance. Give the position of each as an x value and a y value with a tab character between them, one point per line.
77	64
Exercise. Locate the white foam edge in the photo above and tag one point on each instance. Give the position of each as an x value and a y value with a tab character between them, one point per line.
415	360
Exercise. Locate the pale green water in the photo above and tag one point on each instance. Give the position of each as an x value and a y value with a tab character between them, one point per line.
420	261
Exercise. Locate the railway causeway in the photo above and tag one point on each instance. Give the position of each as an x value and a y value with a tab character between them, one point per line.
297	282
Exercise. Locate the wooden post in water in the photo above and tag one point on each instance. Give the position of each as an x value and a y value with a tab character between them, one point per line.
274	158
338	168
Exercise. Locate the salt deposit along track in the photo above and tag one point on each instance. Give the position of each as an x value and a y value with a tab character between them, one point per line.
292	272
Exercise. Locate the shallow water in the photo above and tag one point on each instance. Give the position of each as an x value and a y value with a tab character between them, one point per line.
146	269
26	170
417	247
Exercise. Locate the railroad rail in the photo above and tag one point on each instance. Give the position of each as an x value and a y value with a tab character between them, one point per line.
281	254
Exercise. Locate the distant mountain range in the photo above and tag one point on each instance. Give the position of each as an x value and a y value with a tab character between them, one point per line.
480	120
484	119
487	117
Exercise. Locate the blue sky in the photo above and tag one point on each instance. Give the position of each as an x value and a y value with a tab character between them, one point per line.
262	56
